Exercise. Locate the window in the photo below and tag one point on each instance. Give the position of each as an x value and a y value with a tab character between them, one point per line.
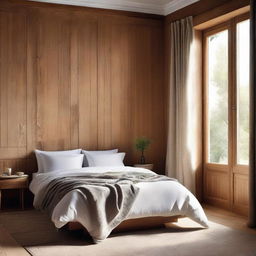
218	97
226	85
242	92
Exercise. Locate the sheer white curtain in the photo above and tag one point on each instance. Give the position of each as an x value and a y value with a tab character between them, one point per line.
184	149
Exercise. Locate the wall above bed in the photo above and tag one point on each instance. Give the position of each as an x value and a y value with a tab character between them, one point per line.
73	77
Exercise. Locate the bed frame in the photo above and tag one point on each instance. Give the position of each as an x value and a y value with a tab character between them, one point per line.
134	224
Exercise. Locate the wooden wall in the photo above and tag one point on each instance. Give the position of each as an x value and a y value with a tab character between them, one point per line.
75	78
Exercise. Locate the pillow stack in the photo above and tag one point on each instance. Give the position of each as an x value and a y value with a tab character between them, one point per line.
49	161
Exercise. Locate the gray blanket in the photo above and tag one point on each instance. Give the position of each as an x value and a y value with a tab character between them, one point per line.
109	196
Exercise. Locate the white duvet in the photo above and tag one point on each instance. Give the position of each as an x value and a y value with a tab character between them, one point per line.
163	198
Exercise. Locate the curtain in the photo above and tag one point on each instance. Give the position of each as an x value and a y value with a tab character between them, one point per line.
184	149
252	165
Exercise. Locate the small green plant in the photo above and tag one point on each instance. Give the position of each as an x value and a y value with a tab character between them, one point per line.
141	145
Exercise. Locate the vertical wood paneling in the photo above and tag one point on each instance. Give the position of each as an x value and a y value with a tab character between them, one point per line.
158	100
86	75
131	94
79	80
142	90
241	193
115	60
53	88
25	165
216	185
12	84
33	79
120	61
74	133
216	188
104	85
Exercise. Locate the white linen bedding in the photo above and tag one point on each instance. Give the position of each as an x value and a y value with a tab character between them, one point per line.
163	198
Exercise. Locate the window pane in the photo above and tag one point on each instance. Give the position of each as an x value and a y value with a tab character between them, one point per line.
243	92
218	98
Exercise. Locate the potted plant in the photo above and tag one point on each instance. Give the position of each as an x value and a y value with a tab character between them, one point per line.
141	145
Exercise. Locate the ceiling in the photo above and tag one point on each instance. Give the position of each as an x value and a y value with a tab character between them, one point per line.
161	7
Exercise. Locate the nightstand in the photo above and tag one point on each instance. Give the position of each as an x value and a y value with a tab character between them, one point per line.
16	182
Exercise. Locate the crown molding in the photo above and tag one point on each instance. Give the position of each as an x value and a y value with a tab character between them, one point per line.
175	5
125	5
111	4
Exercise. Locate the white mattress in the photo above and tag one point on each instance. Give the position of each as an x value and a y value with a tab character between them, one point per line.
164	198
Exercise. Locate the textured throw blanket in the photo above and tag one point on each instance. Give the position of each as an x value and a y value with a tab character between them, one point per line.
109	196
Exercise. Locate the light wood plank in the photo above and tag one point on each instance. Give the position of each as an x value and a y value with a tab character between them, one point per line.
53	88
12	80
86	45
129	89
8	246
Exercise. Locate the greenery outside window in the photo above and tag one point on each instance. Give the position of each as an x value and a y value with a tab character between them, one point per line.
226	95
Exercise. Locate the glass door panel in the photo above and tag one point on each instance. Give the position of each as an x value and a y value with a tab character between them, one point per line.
217	81
242	66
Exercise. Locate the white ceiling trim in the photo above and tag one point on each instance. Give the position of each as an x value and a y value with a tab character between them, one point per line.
175	5
113	5
125	5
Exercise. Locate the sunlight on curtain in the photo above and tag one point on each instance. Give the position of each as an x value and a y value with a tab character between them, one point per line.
184	129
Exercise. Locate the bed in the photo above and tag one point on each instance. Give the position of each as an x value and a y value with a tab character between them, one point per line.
155	202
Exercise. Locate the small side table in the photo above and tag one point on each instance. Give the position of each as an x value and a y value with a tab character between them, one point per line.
14	182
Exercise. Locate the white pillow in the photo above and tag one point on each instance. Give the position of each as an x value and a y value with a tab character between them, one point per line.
107	159
61	162
52	153
88	161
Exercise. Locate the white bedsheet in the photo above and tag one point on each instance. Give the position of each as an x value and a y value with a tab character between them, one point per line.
164	198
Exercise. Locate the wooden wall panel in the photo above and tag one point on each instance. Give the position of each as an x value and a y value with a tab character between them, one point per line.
79	79
216	188
241	193
143	104
53	88
121	74
149	106
131	61
17	164
33	79
23	164
104	86
84	48
158	106
116	54
12	85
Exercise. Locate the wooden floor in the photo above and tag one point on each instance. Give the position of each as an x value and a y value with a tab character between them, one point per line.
227	218
9	247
